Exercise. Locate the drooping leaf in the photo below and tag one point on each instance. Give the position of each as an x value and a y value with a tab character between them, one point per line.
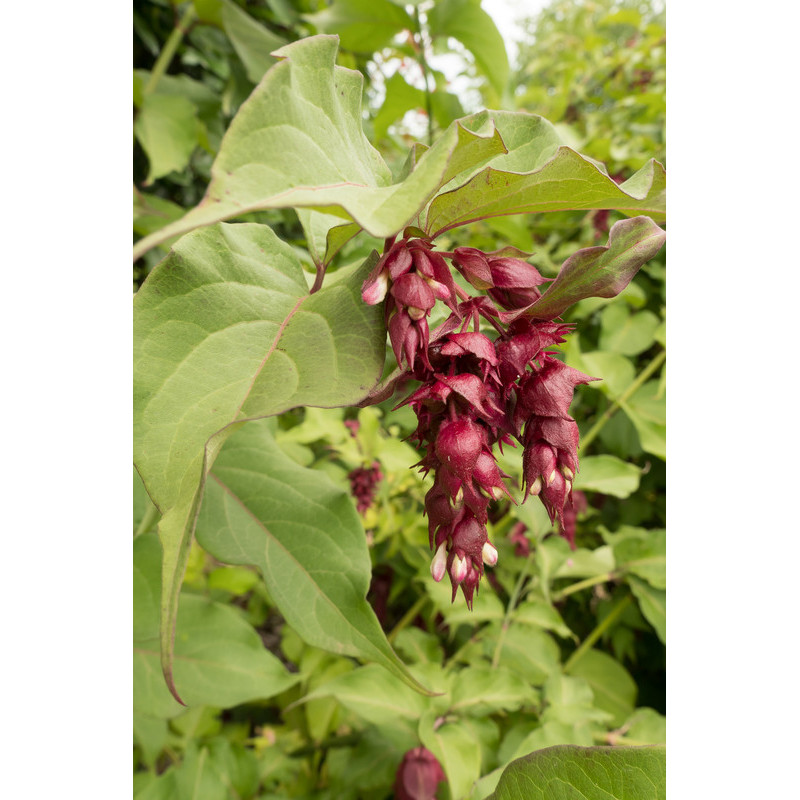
251	40
601	271
539	173
609	475
363	26
166	127
600	773
646	409
298	142
224	331
400	98
467	22
304	535
219	658
653	603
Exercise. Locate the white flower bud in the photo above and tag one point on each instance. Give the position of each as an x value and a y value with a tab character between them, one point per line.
489	554
458	569
439	563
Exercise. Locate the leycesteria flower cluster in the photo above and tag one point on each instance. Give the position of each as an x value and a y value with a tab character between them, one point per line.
477	392
363	485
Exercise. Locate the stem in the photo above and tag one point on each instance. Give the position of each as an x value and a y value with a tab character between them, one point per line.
597	633
424	67
407	618
149	519
318	279
634	386
512	604
585	584
170	46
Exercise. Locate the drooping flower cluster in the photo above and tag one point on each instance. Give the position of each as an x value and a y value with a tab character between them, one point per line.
364	483
477	392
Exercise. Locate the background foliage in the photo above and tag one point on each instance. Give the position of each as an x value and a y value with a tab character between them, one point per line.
562	647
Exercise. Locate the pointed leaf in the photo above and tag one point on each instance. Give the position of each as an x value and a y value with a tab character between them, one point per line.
540	173
601	271
166	127
600	773
305	536
219	658
252	41
298	142
467	22
224	331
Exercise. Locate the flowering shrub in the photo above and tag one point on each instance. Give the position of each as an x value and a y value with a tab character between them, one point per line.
232	333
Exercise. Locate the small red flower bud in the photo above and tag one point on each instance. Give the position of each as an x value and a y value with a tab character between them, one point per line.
474	266
418	776
413	291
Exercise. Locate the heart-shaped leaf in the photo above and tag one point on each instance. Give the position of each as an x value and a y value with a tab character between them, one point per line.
225	330
298	142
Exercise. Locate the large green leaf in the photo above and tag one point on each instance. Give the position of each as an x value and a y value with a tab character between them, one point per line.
540	173
597	773
220	660
601	271
225	331
364	26
466	21
305	536
298	142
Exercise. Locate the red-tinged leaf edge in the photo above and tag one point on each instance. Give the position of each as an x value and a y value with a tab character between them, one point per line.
598	271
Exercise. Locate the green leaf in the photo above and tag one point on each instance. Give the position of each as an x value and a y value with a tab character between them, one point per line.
646	409
252	42
364	26
375	696
618	371
219	660
467	22
484	690
644	726
601	271
400	98
167	129
613	687
225	331
627	333
641	552
653	603
530	652
538	174
298	142
609	475
600	773
458	749
304	535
